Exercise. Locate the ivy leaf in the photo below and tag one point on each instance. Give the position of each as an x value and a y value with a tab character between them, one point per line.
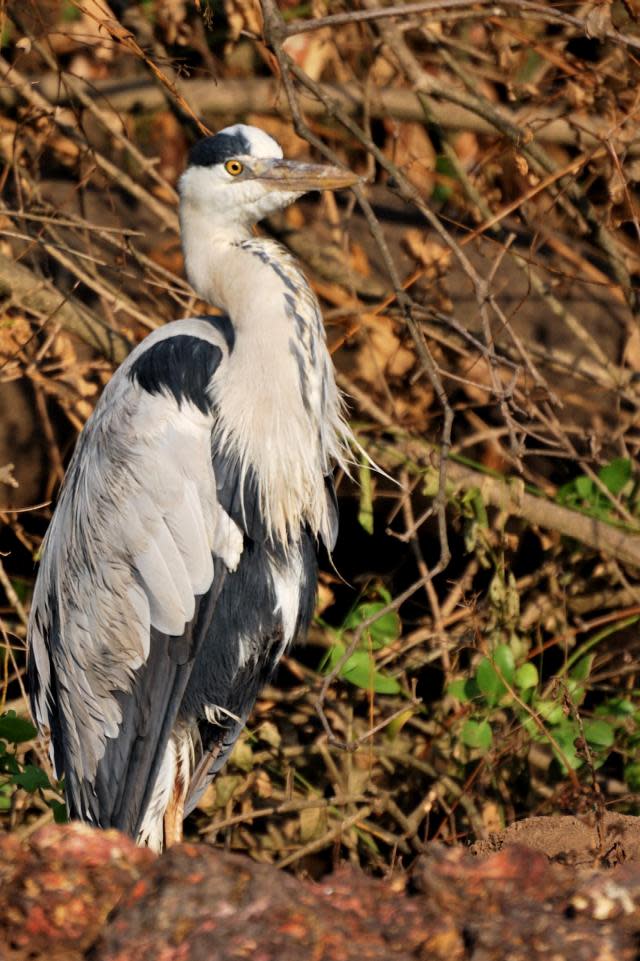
477	734
488	681
487	677
59	811
582	669
458	689
360	670
384	630
584	488
503	659
526	677
616	475
632	776
16	729
599	733
550	711
565	735
32	779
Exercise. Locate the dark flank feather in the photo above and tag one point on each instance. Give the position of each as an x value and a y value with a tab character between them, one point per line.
245	619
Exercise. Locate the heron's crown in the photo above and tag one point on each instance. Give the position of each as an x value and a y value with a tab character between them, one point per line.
238	140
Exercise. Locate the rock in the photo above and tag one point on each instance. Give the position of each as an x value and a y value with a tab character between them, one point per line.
57	889
72	893
199	904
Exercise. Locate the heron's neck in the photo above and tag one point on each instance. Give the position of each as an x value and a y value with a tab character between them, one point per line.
277	399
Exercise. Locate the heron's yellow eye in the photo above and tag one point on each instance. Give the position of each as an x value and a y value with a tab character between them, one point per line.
234	167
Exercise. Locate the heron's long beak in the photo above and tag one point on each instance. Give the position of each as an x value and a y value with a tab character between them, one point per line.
300	177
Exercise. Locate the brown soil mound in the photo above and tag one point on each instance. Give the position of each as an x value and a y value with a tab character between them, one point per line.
578	841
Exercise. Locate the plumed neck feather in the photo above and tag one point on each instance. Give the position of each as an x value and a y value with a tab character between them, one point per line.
279	409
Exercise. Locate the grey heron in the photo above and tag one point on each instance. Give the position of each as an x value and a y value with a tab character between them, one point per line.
180	562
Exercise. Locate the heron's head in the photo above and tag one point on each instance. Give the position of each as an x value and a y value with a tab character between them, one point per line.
238	176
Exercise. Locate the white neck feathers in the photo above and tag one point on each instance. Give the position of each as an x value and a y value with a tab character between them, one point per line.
279	409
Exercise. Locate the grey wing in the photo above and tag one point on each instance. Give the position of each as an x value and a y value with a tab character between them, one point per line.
126	588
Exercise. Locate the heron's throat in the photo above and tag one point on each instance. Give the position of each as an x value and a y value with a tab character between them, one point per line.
278	405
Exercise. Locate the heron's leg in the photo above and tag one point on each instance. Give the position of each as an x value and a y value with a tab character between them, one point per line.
174	814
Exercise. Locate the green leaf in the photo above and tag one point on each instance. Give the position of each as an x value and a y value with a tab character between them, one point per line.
477	734
360	670
365	509
582	669
9	764
474	505
576	691
16	729
526	677
616	475
488	681
487	677
385	684
632	776
584	488
384	630
616	707
503	660
458	689
549	711
565	735
599	733
32	779
59	811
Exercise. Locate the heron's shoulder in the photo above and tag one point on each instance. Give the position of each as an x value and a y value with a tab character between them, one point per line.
179	360
215	330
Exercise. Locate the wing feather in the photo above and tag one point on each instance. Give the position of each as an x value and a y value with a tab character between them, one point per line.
126	587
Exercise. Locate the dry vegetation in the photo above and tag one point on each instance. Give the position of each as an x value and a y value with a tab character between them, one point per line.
481	299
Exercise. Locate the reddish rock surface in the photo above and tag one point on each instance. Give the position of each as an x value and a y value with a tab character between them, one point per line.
73	893
57	890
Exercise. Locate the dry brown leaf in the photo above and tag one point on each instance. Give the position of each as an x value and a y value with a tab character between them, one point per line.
491	817
313	823
326	597
311	51
598	20
172	18
381	351
166	137
382	72
269	732
429	252
632	350
409	147
412	406
358	260
263	785
467	148
14	334
521	164
242	15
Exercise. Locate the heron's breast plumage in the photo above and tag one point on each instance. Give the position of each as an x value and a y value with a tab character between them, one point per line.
291	432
